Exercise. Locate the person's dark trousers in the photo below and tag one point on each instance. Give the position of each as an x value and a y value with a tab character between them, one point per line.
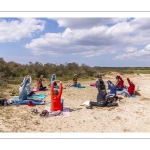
42	88
119	89
31	93
94	103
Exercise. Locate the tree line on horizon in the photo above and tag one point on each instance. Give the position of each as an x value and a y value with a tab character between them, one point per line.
13	70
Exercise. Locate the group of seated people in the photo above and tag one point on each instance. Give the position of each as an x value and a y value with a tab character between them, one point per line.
24	92
111	98
103	98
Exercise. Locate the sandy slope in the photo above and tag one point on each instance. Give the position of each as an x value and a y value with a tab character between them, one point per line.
132	114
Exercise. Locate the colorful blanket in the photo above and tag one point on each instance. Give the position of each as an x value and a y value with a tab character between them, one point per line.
35	96
58	114
34	90
78	86
93	84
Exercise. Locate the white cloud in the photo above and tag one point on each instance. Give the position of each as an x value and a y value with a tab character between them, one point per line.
14	30
147	48
82	23
140	55
130	49
91	37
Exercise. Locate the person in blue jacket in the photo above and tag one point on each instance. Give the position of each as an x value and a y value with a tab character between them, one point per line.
53	78
112	87
112	95
27	87
23	95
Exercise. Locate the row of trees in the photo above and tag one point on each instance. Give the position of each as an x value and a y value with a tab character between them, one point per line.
11	70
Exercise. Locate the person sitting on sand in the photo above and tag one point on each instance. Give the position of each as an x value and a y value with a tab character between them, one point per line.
56	101
113	90
112	87
53	78
29	92
40	86
128	92
120	83
75	78
101	96
112	101
23	95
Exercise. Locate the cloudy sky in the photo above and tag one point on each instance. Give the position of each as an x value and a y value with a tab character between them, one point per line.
110	42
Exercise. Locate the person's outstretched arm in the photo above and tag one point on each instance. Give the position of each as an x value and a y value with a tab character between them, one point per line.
60	88
120	78
52	88
128	81
30	81
23	86
109	84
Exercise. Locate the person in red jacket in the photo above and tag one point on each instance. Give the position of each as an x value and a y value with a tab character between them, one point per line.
128	92
56	101
120	83
131	87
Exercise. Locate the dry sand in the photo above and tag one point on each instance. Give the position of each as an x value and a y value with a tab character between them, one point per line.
132	114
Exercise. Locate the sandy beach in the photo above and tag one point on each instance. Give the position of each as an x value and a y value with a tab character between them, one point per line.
132	114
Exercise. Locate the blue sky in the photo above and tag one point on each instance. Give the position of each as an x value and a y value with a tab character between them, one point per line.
110	42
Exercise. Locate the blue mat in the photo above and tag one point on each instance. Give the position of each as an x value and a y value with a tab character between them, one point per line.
79	87
39	96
